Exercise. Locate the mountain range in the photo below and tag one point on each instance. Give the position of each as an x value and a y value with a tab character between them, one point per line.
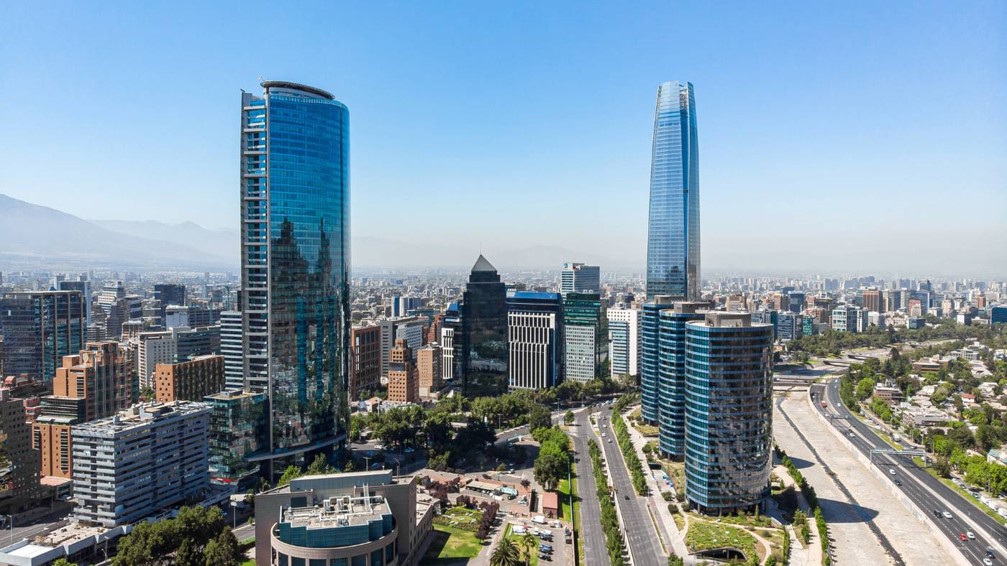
38	237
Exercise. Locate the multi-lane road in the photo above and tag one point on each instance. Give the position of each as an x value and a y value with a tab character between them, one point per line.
638	527
924	490
589	527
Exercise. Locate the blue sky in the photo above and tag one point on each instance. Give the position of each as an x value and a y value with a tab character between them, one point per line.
825	127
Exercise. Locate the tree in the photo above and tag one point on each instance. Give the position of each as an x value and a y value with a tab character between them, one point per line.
64	562
568	418
292	472
505	554
539	417
223	550
528	543
320	466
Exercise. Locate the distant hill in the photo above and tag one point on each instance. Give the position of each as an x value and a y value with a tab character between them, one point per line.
223	242
39	237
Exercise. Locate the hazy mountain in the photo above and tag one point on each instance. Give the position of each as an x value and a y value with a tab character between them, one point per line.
38	237
221	242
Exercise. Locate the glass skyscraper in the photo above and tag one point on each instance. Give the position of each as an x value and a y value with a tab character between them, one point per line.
671	375
728	411
673	226
484	332
39	328
295	213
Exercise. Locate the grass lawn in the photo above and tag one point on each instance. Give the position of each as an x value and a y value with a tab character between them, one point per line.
461	518
248	563
647	430
451	544
704	535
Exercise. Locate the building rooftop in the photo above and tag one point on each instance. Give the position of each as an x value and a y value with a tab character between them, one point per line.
139	415
297	86
337	511
482	264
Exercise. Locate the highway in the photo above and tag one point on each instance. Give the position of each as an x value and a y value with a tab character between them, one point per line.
917	484
638	527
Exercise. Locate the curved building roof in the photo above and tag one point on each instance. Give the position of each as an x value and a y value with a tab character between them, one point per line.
298	86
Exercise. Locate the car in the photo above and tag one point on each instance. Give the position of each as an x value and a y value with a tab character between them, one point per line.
971	535
962	537
610	441
947	514
626	497
937	513
603	435
544	557
898	483
988	561
891	471
852	434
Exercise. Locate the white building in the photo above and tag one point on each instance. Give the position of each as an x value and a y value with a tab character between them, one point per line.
153	348
447	343
534	349
231	349
144	459
624	341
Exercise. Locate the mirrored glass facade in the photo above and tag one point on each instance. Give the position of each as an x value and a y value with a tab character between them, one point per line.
671	376
40	328
728	411
673	226
295	255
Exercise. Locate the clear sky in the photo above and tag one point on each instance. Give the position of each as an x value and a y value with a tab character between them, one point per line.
845	135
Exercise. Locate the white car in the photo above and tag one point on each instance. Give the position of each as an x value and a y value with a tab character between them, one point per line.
971	535
947	515
603	435
891	471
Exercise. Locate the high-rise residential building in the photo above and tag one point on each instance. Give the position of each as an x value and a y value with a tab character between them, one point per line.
189	380
295	172
353	519
624	341
584	336
39	328
484	332
143	460
728	412
428	368
153	348
580	278
365	360
870	299
19	475
673	226
230	347
403	381
238	424
535	337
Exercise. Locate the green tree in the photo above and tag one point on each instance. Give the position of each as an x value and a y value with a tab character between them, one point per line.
64	562
528	544
320	465
538	418
568	418
550	466
505	554
223	550
292	472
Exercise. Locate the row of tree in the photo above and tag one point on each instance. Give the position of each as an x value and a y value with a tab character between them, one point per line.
553	461
195	537
609	518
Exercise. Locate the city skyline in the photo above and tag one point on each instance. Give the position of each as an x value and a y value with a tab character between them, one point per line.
787	165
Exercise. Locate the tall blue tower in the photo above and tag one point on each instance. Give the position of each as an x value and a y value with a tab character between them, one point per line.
295	255
673	225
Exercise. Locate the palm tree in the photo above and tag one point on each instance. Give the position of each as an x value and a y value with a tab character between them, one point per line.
505	554
528	543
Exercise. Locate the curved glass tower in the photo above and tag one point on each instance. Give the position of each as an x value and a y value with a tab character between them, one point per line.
728	411
673	226
295	230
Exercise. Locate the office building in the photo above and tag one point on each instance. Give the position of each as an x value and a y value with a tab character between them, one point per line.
447	343
296	256
412	332
795	300
403	381
357	518
998	315
624	341
190	380
789	325
84	287
176	316
580	278
484	332
650	318
39	328
673	266
428	368
671	382
870	299
194	342
142	460
238	422
728	412
365	360
168	294
534	334
153	348
19	474
408	328
230	347
584	336
844	318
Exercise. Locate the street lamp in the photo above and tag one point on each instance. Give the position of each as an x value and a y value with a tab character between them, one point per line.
234	515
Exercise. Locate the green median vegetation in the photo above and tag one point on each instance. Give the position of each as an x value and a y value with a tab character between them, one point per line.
629	453
609	517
